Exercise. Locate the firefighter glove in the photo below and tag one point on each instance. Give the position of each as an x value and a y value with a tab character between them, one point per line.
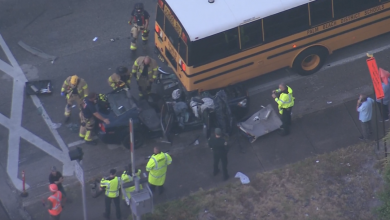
62	93
129	22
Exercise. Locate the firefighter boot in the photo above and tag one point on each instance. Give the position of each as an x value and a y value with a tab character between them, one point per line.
67	113
133	44
145	35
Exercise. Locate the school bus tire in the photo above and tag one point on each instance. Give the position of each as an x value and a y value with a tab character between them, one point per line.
310	60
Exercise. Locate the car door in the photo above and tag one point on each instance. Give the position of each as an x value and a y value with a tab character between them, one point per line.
167	119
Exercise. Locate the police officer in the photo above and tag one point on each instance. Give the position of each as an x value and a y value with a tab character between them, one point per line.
120	78
75	89
111	186
128	177
157	168
87	114
284	97
146	70
219	147
140	19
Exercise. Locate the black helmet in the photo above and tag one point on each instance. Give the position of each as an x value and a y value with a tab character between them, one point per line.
139	6
121	70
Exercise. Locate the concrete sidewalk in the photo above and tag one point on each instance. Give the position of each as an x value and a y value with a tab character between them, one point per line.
312	134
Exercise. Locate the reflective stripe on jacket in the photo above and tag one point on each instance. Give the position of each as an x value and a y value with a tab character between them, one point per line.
115	80
82	88
55	199
139	65
127	178
112	187
285	100
157	167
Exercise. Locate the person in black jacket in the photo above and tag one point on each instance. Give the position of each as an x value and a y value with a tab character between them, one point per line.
219	146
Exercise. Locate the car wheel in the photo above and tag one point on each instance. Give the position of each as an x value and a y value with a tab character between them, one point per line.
310	60
138	140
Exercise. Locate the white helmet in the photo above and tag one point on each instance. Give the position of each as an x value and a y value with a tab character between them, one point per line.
176	94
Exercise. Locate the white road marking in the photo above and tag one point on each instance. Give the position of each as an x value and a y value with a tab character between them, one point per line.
14	123
76	143
272	85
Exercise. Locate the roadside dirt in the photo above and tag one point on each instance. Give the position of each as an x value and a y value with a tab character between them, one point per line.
338	185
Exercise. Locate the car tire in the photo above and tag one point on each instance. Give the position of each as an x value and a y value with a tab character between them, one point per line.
139	140
310	60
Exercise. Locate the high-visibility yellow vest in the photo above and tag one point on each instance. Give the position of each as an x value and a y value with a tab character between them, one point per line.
127	178
285	100
157	167
112	187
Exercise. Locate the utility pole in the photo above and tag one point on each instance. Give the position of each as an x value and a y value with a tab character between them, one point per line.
135	177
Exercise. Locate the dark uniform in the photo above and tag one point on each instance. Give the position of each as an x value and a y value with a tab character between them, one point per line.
219	147
87	119
139	17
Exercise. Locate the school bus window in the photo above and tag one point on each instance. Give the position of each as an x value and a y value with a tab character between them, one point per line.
344	8
171	33
286	23
160	17
183	50
251	34
320	11
214	47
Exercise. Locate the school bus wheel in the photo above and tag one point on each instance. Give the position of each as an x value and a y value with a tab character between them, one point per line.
310	60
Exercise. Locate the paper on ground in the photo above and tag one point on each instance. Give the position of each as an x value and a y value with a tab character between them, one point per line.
243	178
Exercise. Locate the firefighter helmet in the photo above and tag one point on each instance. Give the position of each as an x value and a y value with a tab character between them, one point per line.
139	6
74	79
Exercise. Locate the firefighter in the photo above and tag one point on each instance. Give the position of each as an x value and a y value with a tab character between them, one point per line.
120	78
87	118
75	89
140	20
146	71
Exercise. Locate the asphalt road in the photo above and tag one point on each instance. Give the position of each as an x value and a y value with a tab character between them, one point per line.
65	29
3	213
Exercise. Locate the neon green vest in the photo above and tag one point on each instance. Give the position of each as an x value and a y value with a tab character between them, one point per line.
157	167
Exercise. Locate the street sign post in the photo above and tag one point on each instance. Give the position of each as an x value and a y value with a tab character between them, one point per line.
379	94
79	172
77	154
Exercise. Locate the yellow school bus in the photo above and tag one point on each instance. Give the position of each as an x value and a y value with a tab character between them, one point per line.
214	44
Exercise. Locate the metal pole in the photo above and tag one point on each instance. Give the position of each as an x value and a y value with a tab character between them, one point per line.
384	127
135	177
376	124
83	192
131	145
